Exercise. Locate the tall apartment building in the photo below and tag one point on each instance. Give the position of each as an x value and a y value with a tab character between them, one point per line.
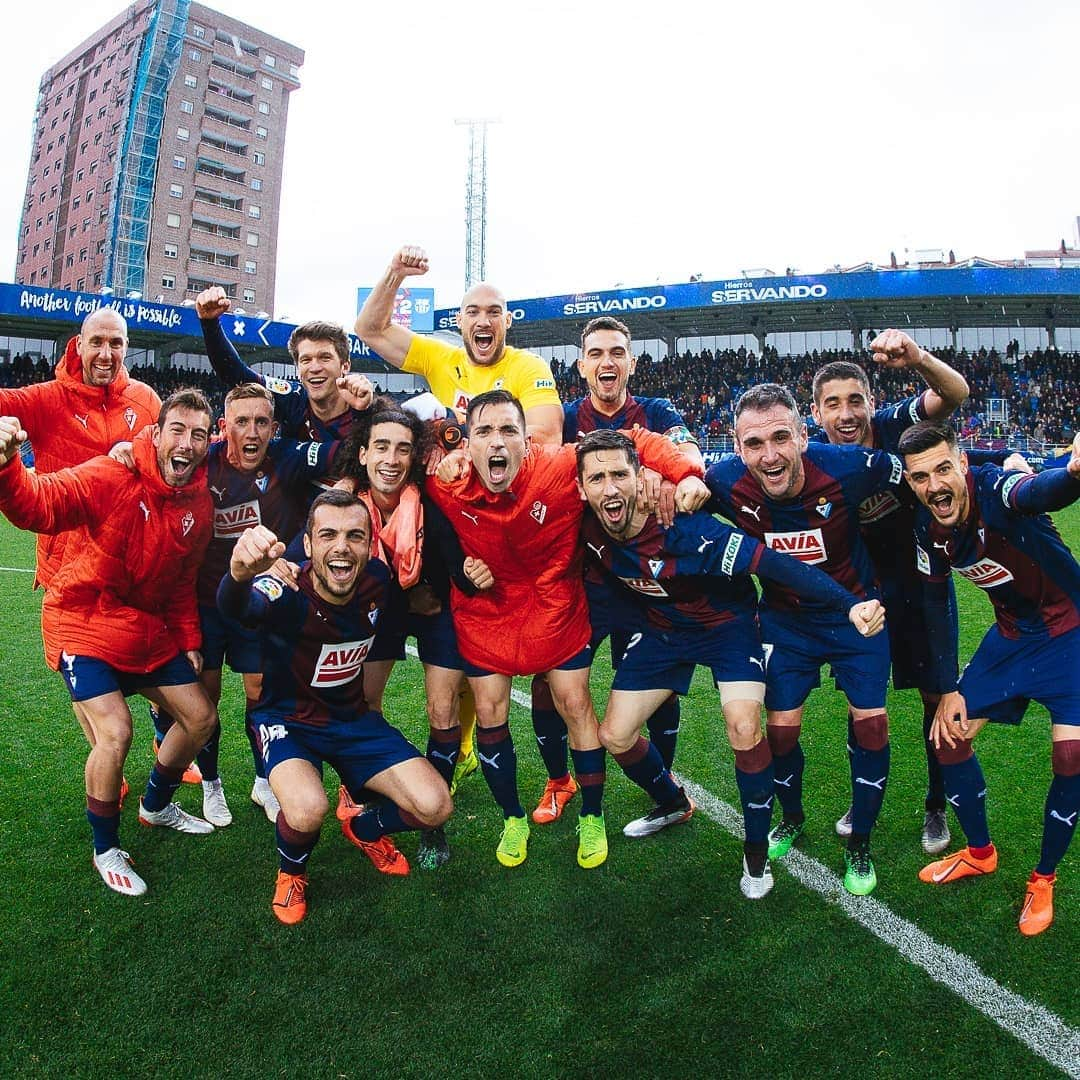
157	157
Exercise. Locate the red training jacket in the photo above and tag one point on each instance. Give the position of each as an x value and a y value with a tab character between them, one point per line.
70	422
126	592
535	617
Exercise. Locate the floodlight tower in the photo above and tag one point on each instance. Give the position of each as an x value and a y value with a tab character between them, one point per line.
476	201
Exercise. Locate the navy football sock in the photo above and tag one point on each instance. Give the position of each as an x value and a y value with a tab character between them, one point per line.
104	818
788	766
1059	821
381	820
663	728
966	790
643	764
293	846
754	777
935	781
589	770
207	757
550	729
161	787
869	771
495	748
443	748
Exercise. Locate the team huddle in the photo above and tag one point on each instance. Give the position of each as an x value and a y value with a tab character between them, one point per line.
509	536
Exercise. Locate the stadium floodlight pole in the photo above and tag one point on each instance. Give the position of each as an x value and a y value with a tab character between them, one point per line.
476	200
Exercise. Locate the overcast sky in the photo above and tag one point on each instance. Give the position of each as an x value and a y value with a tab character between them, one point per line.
639	142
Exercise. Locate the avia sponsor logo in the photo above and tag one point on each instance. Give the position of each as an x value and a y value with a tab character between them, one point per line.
645	586
878	506
591	304
807	546
231	521
743	292
986	573
340	664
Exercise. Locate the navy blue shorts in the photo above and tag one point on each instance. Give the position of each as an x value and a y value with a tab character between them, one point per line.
228	640
612	613
666	661
1005	675
88	677
436	639
576	662
356	749
909	641
798	644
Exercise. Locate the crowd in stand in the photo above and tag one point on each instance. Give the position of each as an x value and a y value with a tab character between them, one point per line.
1042	387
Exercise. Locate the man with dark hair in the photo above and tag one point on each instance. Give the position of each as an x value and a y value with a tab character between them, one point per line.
484	361
312	709
803	500
325	402
384	459
843	407
119	616
691	583
606	363
253	479
516	510
991	527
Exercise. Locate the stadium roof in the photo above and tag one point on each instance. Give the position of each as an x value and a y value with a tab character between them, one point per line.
978	294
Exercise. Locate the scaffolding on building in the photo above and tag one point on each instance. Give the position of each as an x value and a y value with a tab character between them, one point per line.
126	254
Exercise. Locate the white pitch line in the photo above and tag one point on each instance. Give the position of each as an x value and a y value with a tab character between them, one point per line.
16	570
1043	1032
1036	1027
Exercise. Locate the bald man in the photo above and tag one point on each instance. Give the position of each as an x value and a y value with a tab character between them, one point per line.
485	362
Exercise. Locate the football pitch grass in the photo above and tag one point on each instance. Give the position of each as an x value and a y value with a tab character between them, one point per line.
652	965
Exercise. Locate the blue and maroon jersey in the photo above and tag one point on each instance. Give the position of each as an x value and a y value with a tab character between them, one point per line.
696	574
820	526
277	495
1010	548
313	651
651	413
291	408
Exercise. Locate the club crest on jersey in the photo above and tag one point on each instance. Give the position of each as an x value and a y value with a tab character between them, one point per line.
655	566
262	482
807	546
231	521
986	573
340	664
130	418
187	523
277	386
878	506
824	507
538	511
373	615
270	587
645	586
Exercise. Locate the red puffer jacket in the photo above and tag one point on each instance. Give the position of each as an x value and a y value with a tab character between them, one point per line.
69	422
126	592
535	617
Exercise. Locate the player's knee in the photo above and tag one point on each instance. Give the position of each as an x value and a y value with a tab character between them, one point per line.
954	755
872	732
305	809
782	739
114	740
432	804
1065	757
442	712
576	708
614	742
